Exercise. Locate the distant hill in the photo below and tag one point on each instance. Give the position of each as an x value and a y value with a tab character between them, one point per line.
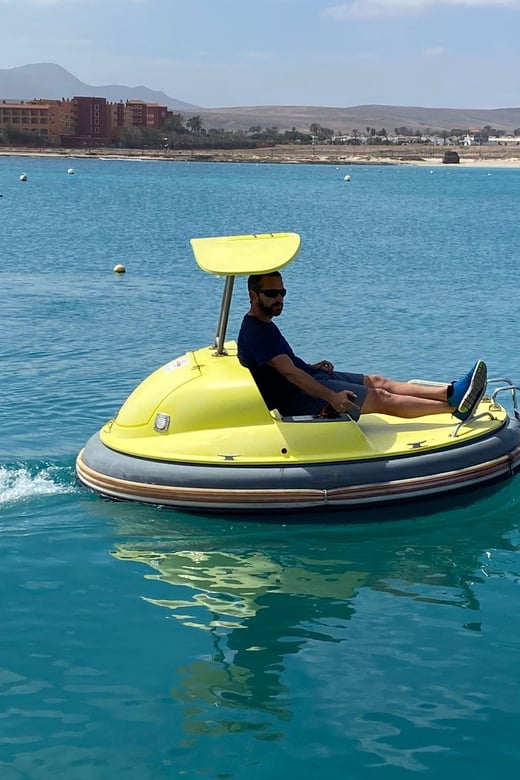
48	80
344	120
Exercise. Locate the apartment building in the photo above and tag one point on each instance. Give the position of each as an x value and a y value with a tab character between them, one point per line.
80	121
146	114
49	119
91	122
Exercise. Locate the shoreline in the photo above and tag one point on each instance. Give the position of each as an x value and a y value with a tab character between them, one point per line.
481	157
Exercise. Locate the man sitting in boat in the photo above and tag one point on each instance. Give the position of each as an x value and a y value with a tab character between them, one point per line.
293	387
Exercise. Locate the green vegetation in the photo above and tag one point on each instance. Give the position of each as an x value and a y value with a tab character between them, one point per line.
178	133
183	134
13	136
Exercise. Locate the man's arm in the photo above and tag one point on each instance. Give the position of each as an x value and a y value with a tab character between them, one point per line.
341	401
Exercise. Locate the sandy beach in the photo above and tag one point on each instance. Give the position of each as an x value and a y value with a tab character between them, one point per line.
485	156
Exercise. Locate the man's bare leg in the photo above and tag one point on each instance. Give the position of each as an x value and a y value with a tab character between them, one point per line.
404	399
433	392
384	402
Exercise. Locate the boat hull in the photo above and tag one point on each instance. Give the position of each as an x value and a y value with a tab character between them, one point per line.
325	485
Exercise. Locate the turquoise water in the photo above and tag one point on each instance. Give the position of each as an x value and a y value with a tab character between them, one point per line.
148	644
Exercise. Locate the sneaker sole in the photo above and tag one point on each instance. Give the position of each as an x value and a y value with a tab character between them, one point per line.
476	389
466	415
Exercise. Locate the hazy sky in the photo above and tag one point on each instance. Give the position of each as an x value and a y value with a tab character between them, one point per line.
217	53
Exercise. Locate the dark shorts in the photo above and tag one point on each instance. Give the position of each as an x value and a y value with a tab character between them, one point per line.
337	381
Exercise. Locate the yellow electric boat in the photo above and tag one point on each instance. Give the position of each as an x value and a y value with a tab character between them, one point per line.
197	435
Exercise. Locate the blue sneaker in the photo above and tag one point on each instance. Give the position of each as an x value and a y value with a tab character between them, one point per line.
468	391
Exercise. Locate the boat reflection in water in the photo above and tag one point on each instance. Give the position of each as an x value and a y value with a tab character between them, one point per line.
357	620
258	609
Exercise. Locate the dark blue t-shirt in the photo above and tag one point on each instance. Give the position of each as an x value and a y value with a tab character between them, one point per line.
259	342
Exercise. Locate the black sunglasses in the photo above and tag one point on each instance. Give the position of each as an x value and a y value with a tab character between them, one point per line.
273	293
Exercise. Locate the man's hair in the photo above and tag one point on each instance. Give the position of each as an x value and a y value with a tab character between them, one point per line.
254	281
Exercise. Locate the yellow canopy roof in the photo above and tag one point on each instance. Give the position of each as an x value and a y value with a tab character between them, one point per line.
244	255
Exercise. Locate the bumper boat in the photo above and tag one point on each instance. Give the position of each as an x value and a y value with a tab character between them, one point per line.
196	434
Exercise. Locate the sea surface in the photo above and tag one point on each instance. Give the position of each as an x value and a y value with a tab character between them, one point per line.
147	644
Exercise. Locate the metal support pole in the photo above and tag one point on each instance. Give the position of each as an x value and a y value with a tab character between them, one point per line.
224	315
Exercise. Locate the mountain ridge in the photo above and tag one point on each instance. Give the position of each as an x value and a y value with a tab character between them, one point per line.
52	81
49	80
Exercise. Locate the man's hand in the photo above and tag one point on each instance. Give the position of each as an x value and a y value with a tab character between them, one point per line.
344	401
323	365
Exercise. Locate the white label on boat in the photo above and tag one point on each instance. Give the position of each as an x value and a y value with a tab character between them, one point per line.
179	363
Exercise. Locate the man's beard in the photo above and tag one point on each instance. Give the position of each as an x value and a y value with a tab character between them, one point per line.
274	310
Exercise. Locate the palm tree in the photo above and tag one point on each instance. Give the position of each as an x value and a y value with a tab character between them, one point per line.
195	124
174	122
